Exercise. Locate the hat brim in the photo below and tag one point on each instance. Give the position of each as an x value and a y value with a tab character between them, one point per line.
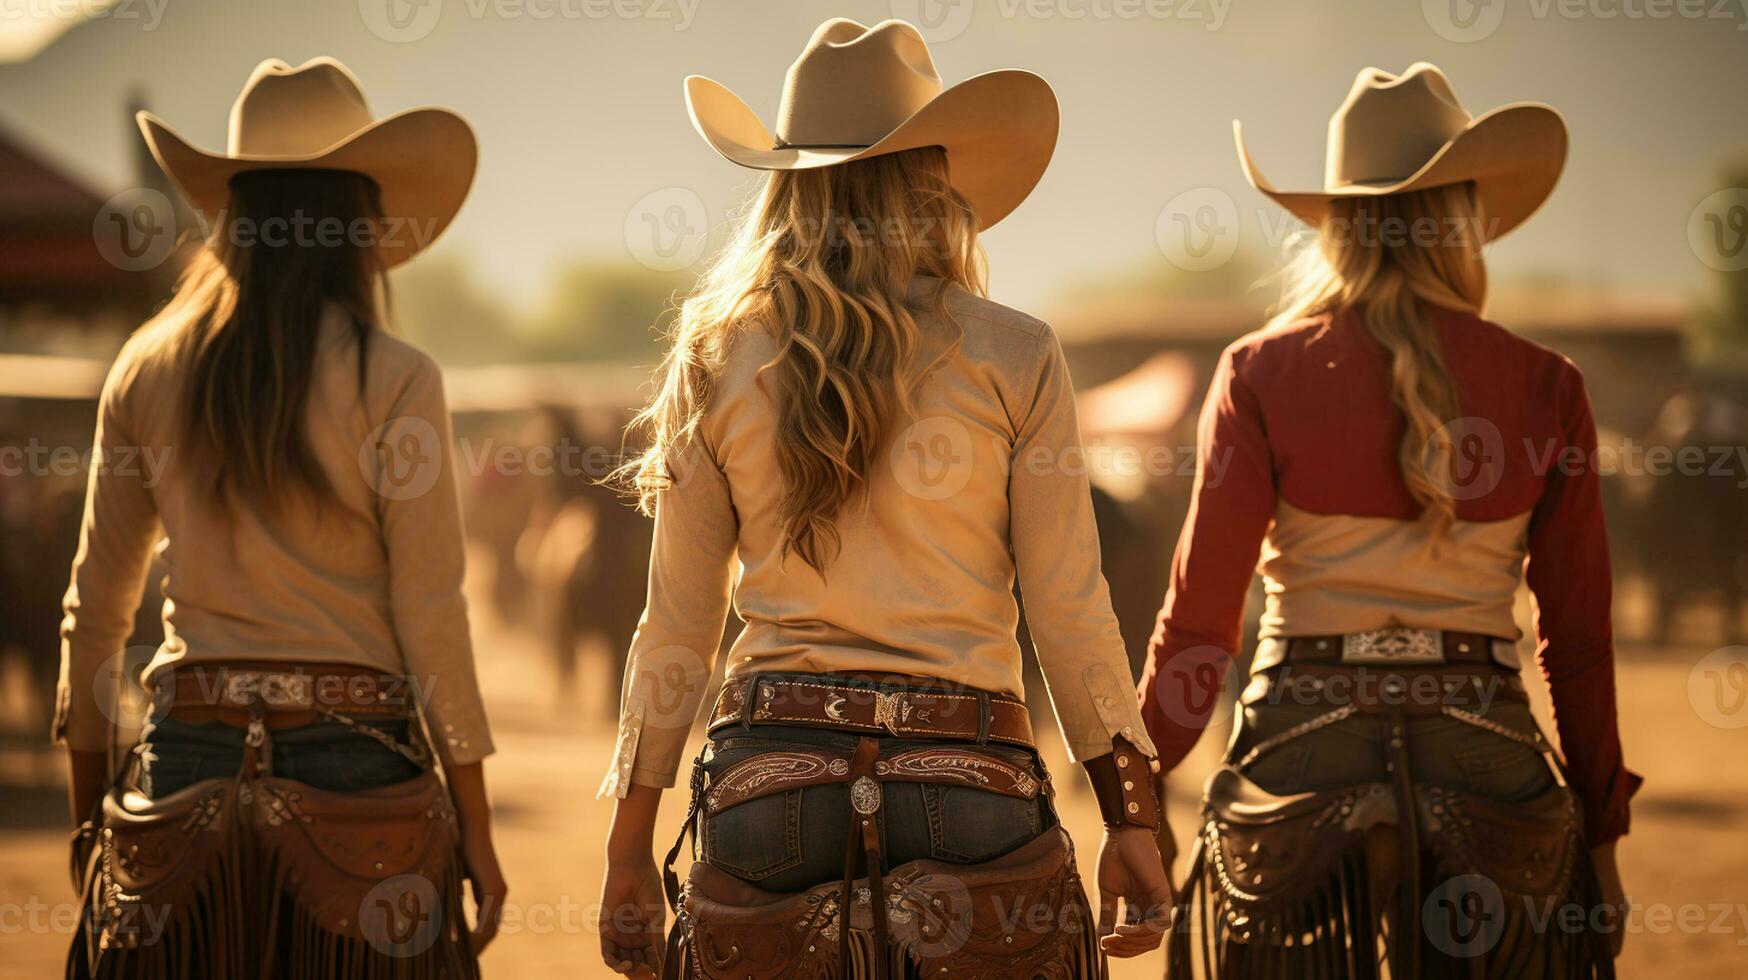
999	130
422	160
1514	155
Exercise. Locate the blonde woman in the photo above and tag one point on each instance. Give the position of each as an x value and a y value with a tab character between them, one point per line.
289	460
881	451
1396	459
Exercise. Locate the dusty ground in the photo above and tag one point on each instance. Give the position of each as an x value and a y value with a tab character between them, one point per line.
1685	862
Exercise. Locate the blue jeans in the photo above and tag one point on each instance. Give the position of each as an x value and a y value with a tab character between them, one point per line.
794	840
326	755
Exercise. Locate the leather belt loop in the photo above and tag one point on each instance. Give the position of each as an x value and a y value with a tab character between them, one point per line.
748	695
983	713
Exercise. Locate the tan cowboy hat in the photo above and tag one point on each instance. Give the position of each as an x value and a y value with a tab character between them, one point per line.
313	117
859	92
1406	132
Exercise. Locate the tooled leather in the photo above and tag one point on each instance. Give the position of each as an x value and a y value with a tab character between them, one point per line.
151	854
915	713
336	847
332	848
776	772
1528	848
1021	915
1267	858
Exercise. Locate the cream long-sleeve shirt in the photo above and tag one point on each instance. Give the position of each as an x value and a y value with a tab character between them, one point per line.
373	580
985	484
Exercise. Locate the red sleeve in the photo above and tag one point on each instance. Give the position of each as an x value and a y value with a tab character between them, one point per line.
1232	504
1569	573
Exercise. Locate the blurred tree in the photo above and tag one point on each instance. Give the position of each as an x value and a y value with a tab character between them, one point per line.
439	306
606	311
1722	321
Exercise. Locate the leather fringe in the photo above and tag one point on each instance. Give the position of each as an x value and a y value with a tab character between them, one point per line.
239	920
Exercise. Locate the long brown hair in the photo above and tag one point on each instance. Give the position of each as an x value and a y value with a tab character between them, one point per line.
244	324
822	261
1388	259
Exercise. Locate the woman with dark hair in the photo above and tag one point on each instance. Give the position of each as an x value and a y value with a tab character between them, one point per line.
1387	451
282	814
881	451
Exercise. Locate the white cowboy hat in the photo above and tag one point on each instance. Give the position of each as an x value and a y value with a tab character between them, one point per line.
313	117
1407	132
858	92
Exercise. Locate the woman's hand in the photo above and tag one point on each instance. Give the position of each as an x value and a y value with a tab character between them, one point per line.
479	859
633	904
1132	877
632	915
1614	894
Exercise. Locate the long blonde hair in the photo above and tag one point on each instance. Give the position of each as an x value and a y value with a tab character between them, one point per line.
1387	259
822	261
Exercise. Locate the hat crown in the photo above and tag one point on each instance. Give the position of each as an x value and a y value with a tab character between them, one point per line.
853	85
301	111
1390	126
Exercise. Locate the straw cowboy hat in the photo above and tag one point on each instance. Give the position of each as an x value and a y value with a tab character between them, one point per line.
313	117
1397	133
859	92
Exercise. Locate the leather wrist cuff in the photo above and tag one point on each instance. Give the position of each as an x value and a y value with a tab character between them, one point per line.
1123	784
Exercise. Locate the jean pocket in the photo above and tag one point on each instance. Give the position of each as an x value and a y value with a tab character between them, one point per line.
971	825
756	839
163	774
1503	770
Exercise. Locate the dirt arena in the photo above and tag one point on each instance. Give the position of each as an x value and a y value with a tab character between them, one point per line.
1685	864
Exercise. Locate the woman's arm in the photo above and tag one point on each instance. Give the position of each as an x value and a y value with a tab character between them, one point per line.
116	537
1231	506
1568	572
421	523
1081	651
691	569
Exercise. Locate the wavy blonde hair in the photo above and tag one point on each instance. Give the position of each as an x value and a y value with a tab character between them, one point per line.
821	261
1387	259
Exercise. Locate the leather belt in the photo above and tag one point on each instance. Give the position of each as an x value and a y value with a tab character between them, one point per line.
776	772
872	708
1390	647
281	696
1417	691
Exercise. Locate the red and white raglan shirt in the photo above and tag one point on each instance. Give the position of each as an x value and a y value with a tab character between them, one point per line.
1298	463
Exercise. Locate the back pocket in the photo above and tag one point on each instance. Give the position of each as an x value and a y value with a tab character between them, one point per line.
756	839
971	825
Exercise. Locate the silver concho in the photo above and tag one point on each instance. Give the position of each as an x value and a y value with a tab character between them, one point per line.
865	795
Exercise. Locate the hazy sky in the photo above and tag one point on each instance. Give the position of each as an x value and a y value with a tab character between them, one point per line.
578	110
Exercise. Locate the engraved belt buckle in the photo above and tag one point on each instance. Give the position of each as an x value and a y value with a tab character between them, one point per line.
1393	646
273	688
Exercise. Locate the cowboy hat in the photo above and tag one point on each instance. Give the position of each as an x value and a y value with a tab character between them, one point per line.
859	92
313	117
1398	133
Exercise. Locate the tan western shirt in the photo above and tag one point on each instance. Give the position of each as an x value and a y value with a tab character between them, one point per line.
984	486
374	580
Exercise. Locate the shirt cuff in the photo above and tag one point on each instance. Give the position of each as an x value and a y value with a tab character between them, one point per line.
1115	711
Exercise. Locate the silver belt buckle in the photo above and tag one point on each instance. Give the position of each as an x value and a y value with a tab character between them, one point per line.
1393	646
273	688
